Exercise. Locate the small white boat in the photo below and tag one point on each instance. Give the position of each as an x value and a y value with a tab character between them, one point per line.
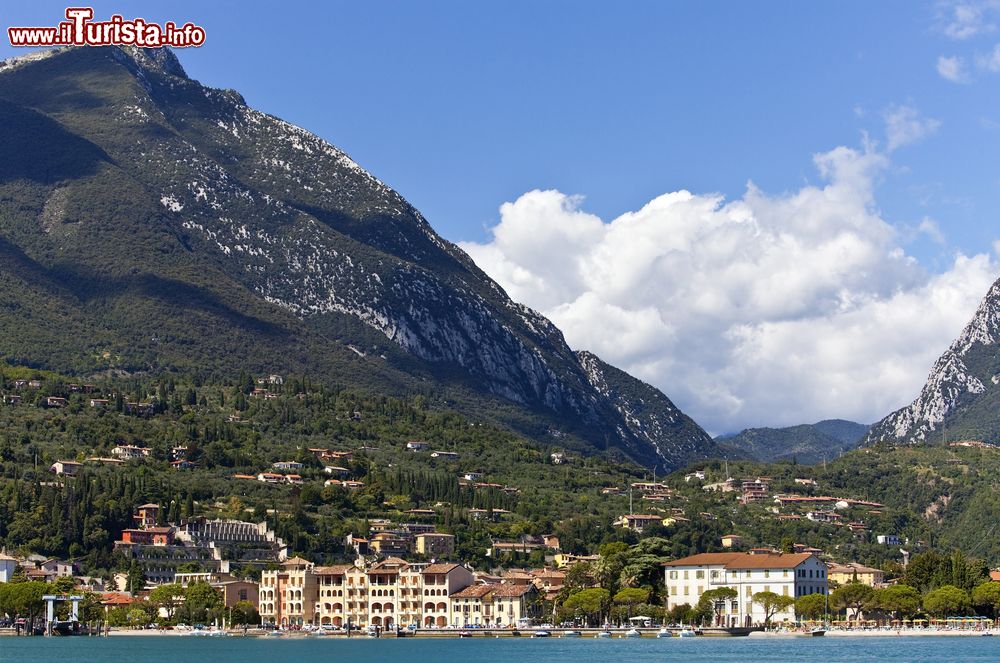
633	633
603	634
687	633
664	633
572	634
817	632
541	634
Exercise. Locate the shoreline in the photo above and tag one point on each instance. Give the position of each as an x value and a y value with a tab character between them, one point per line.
480	634
490	634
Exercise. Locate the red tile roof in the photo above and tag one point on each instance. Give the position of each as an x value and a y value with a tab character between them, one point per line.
474	592
513	591
743	560
440	568
335	570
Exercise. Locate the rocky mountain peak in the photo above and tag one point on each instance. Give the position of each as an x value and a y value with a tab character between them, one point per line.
961	388
177	226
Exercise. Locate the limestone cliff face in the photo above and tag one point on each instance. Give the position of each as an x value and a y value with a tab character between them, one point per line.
251	216
961	390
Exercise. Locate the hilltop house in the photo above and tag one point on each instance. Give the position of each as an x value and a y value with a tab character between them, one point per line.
66	467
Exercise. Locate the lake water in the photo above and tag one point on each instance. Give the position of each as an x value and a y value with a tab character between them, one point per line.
508	650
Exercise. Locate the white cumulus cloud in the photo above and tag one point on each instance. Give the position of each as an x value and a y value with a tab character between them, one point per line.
904	125
990	61
952	68
763	310
967	18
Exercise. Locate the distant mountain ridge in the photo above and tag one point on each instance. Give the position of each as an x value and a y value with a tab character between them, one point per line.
149	223
961	397
806	443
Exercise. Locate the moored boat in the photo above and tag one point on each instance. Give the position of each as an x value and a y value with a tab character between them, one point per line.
664	633
572	634
633	633
541	634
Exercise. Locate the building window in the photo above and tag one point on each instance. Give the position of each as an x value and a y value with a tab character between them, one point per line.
700	575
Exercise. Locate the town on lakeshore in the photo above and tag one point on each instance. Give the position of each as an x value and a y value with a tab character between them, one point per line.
407	568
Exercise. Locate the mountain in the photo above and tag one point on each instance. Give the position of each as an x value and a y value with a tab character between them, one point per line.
961	397
807	443
151	224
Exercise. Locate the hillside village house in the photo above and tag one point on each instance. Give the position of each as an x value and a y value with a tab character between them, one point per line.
8	565
445	455
66	467
638	521
434	544
129	451
843	574
786	574
564	560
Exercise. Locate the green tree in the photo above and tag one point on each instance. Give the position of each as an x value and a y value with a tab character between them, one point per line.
810	606
136	578
852	596
630	597
587	603
713	602
987	597
24	599
136	617
772	603
62	585
680	614
947	600
202	602
167	597
244	612
579	576
901	601
926	571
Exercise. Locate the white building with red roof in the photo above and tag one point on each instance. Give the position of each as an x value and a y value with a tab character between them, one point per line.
785	574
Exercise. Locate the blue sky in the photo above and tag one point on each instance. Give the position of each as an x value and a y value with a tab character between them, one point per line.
465	106
462	106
